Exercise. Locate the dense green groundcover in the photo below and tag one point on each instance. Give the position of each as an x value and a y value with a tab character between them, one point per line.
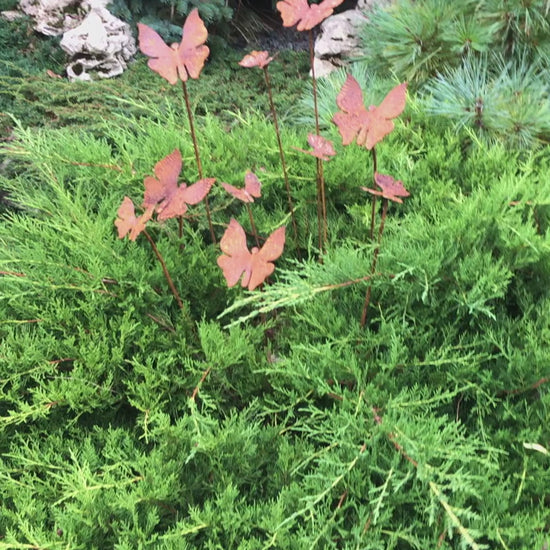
271	419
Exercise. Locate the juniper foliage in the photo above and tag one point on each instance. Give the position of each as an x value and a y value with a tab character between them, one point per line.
126	423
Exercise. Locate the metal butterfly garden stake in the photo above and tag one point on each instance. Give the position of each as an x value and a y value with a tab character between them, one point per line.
251	267
306	16
261	59
163	196
180	62
367	127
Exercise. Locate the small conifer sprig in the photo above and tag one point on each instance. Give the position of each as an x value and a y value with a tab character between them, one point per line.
498	100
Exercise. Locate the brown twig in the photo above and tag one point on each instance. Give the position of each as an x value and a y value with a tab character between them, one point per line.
373	209
367	525
402	451
197	387
321	202
342	498
160	322
374	261
197	156
528	388
164	269
281	152
253	225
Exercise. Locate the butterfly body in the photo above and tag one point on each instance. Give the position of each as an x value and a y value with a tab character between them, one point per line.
250	267
182	60
163	193
305	15
366	126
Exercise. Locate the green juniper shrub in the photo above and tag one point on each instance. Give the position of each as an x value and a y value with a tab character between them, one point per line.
96	356
272	418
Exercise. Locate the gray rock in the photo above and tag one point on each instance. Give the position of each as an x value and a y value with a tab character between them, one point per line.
97	42
52	17
102	44
11	15
367	5
339	40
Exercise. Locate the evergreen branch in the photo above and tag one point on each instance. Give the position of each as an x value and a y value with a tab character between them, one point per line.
383	493
312	501
435	489
454	518
185	531
98	487
281	295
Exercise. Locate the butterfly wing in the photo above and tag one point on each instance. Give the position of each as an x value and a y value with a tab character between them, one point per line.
165	184
392	189
256	59
380	127
381	124
236	192
140	223
322	148
317	13
177	204
236	258
292	11
354	119
261	259
127	222
163	59
192	52
252	186
126	217
394	103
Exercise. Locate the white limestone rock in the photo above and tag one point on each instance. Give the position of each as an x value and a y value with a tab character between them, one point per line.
339	37
102	44
367	5
11	15
337	41
96	41
52	17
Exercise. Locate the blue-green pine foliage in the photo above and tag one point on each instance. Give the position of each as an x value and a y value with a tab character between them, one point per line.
482	65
